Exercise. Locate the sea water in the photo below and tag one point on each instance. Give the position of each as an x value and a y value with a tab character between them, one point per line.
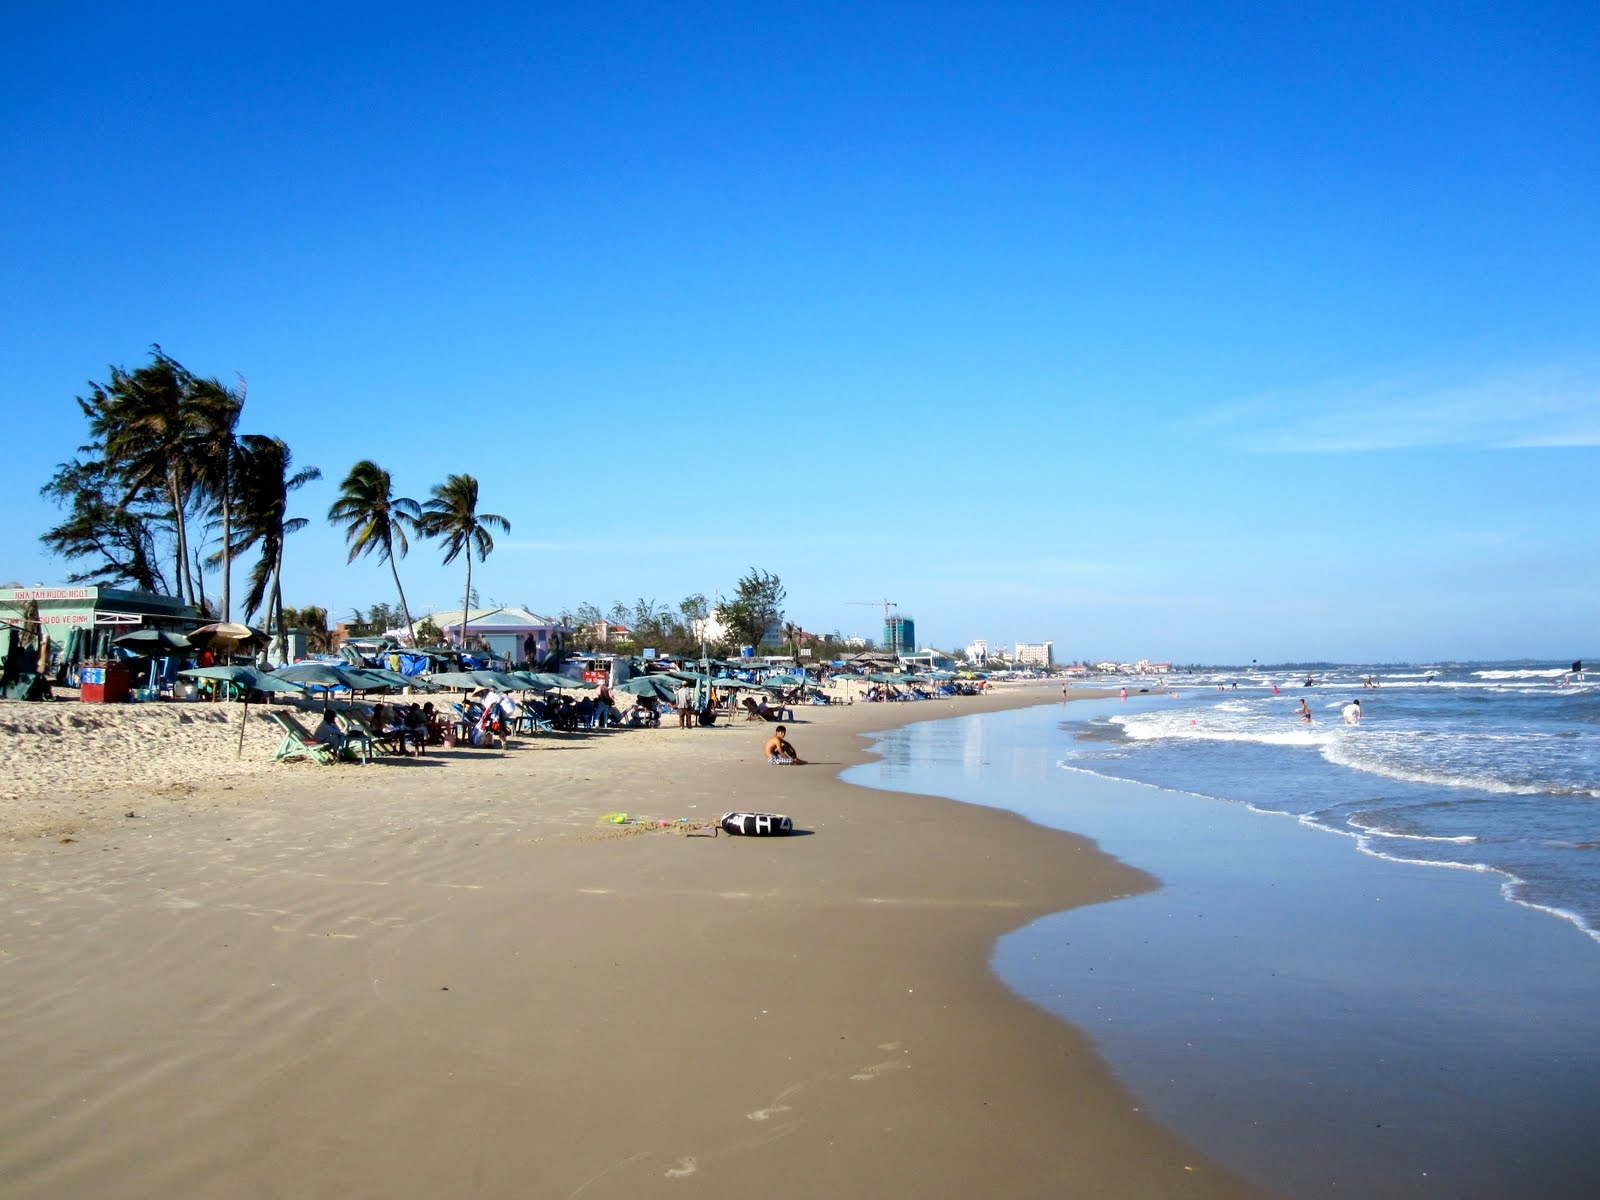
1357	976
1484	767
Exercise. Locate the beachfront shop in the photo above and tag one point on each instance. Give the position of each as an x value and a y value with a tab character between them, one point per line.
79	622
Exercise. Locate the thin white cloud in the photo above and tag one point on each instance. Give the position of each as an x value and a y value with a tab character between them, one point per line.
1534	408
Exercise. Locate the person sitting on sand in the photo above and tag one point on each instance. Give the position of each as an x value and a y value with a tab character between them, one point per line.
779	752
416	726
770	712
328	733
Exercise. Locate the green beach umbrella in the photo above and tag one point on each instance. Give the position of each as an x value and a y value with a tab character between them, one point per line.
248	679
455	681
659	686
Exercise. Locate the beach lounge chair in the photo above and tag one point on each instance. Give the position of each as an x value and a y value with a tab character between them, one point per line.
469	729
298	742
385	741
751	711
359	738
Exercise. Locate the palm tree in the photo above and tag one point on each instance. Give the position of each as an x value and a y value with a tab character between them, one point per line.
452	516
375	520
143	423
214	416
264	484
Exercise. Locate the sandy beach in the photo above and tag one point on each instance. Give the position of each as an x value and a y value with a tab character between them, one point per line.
449	976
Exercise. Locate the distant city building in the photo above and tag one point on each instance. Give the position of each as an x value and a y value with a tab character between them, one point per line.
1036	654
899	635
978	652
855	640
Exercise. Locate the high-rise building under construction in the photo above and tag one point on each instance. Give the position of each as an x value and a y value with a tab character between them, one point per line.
899	635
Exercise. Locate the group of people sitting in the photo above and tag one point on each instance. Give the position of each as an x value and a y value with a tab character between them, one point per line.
393	727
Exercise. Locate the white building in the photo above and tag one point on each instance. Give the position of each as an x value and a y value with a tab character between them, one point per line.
978	652
1036	654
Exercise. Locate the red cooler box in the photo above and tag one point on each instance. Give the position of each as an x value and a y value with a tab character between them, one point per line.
103	684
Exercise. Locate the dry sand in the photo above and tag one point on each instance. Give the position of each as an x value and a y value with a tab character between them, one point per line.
446	977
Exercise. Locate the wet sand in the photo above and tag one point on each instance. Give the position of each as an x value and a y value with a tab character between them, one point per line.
445	976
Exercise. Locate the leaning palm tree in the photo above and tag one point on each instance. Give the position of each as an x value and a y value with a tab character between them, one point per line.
264	484
214	417
452	517
142	422
375	520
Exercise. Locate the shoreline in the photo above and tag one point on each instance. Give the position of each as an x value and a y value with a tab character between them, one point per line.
395	978
1329	1022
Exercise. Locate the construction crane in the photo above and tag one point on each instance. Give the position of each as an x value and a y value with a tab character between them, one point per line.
887	605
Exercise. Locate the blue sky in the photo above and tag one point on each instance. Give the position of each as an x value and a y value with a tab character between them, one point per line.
1201	333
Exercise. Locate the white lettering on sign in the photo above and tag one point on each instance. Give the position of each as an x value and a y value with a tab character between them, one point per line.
78	593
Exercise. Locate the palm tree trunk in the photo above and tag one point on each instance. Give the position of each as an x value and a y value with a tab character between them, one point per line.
275	610
405	612
227	538
466	599
200	575
180	521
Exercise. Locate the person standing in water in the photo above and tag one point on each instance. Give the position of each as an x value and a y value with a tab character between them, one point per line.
1351	713
1305	711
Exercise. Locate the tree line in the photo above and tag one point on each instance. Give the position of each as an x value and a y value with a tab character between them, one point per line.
167	486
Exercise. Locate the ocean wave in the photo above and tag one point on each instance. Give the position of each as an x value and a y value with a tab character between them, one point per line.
1355	755
1464	839
1523	673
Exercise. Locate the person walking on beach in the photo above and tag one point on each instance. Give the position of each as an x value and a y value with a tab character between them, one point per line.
685	702
1305	711
779	752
